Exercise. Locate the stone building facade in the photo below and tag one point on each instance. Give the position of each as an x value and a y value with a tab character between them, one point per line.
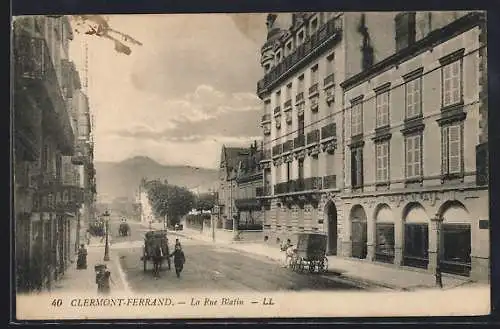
321	164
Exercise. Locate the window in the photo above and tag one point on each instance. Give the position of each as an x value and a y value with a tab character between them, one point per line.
300	37
416	245
414	156
456	249
314	25
278	98
382	161
330	67
405	30
382	101
300	129
278	57
413	98
357	167
384	249
288	91
288	171
314	75
289	47
451	149
300	86
357	119
452	83
314	166
301	169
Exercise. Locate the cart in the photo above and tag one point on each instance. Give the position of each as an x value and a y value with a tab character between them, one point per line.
310	254
152	240
124	229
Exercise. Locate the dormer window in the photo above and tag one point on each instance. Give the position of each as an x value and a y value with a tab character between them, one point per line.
278	56
314	24
300	37
289	47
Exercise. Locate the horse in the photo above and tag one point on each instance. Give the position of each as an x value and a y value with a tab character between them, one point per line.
157	256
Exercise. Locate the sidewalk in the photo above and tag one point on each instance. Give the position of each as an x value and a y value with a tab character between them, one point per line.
362	272
84	280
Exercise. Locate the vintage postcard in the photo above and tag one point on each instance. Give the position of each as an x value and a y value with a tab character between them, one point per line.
270	165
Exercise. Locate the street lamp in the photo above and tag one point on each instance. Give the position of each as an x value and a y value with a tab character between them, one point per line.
106	247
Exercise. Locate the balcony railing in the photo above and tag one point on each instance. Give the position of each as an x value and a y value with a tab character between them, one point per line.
277	110
330	130
299	97
313	89
330	181
288	104
313	183
263	191
277	149
313	137
325	32
33	63
299	141
266	117
329	80
288	146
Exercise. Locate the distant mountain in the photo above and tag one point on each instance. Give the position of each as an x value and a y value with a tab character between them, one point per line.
122	179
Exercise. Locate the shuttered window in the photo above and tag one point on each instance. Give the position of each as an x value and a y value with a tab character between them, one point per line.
382	109
413	98
452	83
382	161
357	119
451	149
357	167
413	156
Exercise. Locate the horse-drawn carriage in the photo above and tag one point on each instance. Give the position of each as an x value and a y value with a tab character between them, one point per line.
124	229
310	253
155	249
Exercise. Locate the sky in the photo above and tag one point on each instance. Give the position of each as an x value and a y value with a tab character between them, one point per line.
177	98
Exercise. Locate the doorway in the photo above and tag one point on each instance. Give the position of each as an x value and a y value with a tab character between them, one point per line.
331	212
359	235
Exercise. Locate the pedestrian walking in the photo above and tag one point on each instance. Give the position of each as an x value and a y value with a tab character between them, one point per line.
81	262
179	259
87	236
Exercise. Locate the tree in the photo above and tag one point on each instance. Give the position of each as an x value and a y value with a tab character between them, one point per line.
205	201
170	200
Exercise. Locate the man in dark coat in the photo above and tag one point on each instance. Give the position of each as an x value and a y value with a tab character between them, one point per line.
179	259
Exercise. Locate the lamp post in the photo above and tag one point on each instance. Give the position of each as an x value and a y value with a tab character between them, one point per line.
106	247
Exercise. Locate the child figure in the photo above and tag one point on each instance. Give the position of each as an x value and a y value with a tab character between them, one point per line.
179	259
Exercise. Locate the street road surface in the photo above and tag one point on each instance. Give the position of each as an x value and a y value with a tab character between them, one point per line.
211	268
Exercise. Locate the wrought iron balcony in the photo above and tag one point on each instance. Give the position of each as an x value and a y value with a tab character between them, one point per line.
277	150
299	141
277	110
34	71
288	105
328	131
313	137
266	117
330	181
288	146
321	38
313	183
263	191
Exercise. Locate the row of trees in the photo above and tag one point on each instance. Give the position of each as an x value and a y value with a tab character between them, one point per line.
175	201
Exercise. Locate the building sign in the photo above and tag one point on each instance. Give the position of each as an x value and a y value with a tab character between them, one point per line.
431	197
58	198
484	224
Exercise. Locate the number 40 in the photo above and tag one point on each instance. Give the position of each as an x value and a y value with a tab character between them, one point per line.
57	302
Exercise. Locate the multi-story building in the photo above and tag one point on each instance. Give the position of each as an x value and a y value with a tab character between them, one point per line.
319	170
43	84
414	127
249	185
227	189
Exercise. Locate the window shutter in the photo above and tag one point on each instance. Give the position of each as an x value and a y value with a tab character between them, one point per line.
353	167
378	165
409	157
454	149
409	99
416	97
360	169
444	151
417	170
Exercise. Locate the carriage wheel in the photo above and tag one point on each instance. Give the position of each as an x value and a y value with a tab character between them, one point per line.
324	265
